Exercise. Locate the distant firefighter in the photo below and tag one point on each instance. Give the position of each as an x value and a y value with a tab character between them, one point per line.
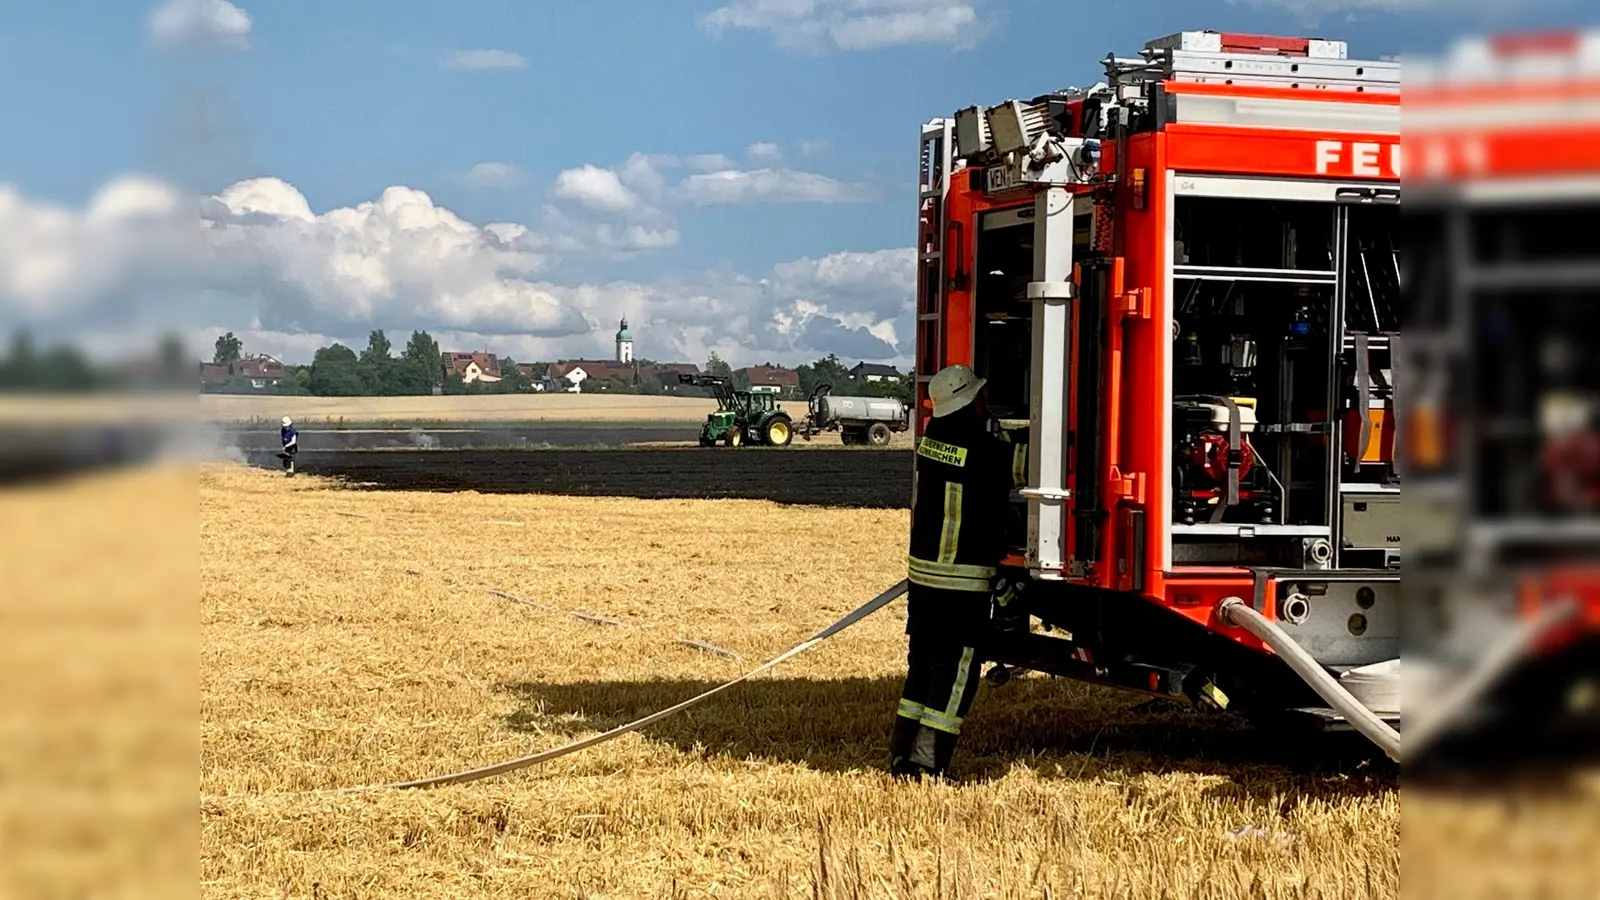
291	446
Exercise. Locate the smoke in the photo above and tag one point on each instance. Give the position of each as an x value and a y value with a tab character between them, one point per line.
200	442
422	440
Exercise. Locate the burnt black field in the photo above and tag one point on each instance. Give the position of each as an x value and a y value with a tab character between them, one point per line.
470	436
854	478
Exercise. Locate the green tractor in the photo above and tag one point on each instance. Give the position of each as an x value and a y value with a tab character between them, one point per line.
742	417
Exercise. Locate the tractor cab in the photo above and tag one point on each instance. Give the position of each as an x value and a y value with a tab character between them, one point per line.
756	402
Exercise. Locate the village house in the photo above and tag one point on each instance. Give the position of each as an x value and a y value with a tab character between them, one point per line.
576	371
865	371
472	366
256	372
787	381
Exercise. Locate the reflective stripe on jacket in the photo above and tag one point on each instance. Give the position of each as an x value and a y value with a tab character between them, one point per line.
962	483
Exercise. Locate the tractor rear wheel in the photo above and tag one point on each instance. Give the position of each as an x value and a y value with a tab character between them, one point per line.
878	435
780	431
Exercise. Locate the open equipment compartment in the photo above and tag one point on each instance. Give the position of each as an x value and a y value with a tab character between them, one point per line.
1284	298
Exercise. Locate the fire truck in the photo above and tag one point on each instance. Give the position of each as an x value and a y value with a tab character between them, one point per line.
1502	592
1182	284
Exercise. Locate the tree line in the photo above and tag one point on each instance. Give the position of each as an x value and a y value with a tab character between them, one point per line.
28	366
338	371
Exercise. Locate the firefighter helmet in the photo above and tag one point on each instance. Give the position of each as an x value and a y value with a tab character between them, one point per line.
953	388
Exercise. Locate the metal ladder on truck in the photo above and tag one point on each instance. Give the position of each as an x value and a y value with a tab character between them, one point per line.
1213	57
933	224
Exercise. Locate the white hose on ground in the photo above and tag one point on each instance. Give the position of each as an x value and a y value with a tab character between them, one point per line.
1235	611
1455	703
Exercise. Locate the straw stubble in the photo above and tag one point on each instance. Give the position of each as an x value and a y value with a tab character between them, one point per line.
343	650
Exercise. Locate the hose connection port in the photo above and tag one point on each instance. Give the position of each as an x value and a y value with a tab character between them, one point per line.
1295	608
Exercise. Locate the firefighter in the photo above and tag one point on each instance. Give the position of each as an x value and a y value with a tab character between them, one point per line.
291	446
961	484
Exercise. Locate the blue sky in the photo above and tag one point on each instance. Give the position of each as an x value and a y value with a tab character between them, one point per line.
772	142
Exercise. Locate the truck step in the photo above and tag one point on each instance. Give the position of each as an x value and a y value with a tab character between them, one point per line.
1327	719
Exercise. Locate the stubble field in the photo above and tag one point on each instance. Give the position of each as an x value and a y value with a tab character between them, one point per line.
349	638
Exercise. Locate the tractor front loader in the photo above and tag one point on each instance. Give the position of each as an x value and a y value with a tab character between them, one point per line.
742	417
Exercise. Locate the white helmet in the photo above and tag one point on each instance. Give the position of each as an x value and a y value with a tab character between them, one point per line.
953	388
287	421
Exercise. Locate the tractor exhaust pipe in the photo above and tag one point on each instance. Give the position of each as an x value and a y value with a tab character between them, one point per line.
1235	611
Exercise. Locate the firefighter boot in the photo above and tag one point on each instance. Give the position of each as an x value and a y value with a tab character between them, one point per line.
944	750
913	749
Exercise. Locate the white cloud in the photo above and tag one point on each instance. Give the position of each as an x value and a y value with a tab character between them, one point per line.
259	259
765	152
732	187
56	261
709	162
814	147
561	233
598	189
400	257
494	175
857	305
852	24
479	60
642	188
215	23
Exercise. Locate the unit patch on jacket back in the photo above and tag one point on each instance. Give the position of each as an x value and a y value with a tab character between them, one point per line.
949	454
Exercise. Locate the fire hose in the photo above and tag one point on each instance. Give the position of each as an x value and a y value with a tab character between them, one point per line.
512	765
1456	703
1235	611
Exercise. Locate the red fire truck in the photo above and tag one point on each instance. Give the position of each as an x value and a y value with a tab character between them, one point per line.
1503	397
1183	282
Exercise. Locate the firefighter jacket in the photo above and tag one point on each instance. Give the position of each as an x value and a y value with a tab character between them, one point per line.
960	488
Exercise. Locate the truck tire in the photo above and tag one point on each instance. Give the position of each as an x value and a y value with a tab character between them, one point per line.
779	431
851	436
878	435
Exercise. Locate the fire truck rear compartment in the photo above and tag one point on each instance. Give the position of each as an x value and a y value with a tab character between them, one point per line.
1190	299
1279	313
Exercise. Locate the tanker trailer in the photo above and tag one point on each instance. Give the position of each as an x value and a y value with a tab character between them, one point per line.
859	420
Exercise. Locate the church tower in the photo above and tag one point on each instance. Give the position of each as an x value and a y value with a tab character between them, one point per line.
624	344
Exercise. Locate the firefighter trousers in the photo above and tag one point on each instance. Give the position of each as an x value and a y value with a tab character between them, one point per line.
943	661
